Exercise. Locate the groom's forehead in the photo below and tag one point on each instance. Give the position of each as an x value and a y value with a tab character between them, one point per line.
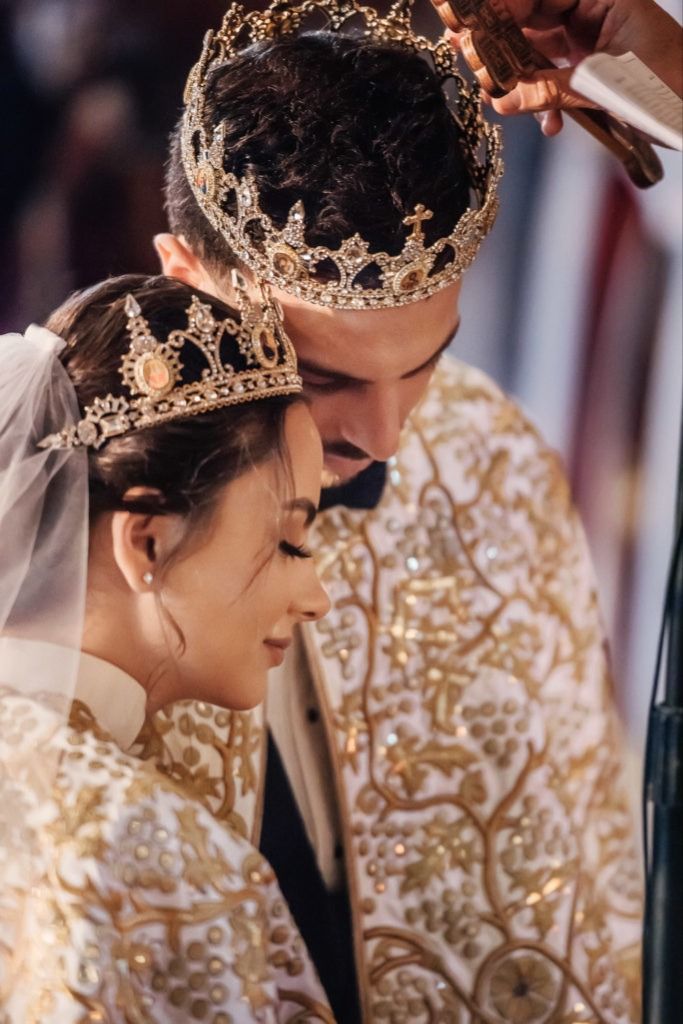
362	344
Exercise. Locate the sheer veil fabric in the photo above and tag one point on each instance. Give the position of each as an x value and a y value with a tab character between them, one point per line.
43	570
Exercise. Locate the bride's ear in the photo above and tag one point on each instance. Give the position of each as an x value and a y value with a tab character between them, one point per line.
141	543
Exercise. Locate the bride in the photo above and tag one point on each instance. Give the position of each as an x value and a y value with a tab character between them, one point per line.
158	475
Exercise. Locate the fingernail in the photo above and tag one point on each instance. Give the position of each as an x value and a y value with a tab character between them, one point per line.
543	119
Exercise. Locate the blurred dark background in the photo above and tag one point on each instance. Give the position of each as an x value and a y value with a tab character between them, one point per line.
91	89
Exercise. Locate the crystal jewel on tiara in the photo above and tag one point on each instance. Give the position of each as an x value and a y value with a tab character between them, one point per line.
151	371
282	256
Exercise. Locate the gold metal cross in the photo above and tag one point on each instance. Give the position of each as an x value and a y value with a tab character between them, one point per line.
421	213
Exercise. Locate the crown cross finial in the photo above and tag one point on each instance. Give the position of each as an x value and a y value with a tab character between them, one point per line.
421	214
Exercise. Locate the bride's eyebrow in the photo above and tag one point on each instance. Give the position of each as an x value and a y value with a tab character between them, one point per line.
303	505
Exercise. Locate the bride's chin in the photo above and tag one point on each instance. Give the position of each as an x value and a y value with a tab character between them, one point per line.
250	691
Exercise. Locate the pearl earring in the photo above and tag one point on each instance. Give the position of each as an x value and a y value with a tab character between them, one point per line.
148	578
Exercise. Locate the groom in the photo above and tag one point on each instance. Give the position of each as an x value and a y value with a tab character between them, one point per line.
436	780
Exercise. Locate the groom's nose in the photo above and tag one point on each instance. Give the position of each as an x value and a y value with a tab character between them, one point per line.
373	420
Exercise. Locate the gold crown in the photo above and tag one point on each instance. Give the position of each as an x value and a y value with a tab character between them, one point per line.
151	372
282	256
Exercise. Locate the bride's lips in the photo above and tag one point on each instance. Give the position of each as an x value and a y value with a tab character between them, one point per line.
277	648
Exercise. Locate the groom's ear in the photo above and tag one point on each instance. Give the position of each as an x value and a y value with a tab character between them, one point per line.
178	260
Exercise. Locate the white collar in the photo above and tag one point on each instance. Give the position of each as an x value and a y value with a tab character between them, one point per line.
116	700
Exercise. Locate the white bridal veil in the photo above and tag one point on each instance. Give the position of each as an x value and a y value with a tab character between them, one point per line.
43	564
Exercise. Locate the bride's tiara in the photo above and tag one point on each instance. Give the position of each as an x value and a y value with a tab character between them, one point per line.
260	364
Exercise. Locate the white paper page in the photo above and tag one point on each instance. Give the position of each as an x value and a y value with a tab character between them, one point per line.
631	91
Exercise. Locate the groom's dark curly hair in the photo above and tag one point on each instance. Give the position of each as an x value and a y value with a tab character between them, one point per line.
360	131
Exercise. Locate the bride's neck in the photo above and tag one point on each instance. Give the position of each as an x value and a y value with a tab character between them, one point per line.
125	629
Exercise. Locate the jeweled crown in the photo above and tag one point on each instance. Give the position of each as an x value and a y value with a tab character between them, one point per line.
261	364
282	256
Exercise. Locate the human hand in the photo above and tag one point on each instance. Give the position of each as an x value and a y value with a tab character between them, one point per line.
566	31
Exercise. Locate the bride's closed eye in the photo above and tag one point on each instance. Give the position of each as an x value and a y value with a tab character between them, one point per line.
294	550
298	505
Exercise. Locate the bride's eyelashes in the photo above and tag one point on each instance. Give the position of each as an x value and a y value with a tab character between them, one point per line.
294	550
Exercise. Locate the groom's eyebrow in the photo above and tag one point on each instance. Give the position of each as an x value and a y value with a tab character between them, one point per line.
305	506
334	375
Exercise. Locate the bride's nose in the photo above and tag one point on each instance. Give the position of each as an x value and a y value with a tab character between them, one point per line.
311	601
